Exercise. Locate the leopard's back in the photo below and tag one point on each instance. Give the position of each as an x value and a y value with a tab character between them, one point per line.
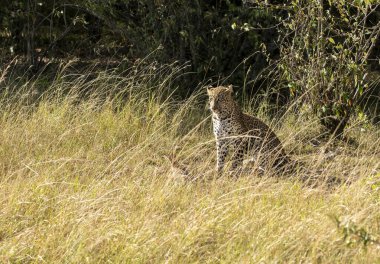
257	128
266	141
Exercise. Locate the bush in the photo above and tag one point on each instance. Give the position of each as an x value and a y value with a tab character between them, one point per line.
324	56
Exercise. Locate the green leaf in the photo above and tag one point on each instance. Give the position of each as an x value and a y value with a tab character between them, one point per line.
332	40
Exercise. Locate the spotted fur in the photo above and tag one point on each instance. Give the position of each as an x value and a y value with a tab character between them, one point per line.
241	133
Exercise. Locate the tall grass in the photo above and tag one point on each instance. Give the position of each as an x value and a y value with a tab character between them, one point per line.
104	168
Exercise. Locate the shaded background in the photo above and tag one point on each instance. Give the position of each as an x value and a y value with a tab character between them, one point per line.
222	41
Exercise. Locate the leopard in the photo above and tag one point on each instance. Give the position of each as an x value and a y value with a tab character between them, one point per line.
241	133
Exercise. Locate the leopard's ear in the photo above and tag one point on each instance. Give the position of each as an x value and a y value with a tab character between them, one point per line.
230	88
209	88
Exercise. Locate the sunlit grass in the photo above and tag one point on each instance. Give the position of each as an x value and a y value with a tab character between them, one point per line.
126	175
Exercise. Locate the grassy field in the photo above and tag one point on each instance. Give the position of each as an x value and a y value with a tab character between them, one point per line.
127	176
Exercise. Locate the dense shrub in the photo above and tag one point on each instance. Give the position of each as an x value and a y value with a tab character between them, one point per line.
324	56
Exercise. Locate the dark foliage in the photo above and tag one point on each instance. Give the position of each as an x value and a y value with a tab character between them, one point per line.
217	37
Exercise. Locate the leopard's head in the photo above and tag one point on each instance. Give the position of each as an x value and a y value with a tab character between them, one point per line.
221	101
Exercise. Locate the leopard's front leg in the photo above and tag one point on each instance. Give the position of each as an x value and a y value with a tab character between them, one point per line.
238	155
221	151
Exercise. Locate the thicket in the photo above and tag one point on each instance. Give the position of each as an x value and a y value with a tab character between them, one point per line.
325	57
324	52
215	36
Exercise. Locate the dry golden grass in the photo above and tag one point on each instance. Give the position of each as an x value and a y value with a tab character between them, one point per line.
108	180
